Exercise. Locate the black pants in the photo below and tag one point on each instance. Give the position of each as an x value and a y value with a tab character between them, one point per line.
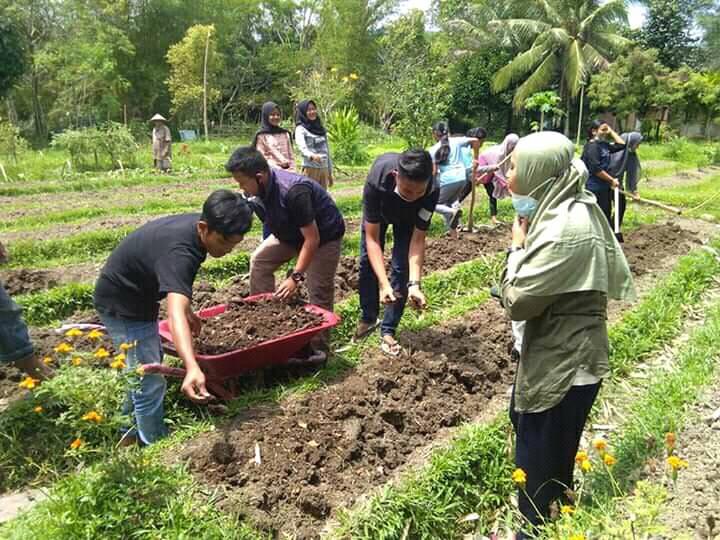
489	188
605	199
545	448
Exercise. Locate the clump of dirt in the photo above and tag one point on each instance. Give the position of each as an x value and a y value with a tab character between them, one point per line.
646	247
24	281
323	450
10	377
244	324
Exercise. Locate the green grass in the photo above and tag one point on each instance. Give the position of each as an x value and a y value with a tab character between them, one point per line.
690	198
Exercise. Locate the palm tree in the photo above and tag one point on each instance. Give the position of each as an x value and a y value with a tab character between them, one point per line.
562	41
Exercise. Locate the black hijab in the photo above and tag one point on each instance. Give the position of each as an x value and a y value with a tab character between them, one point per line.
315	127
265	125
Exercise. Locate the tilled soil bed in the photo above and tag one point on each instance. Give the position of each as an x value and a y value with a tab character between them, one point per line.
245	324
648	246
323	450
24	281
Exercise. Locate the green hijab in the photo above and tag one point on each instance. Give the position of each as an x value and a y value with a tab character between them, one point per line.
569	246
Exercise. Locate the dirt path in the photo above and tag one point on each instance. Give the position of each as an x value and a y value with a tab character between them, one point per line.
683	178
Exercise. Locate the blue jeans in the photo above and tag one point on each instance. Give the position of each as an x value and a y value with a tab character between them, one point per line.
146	402
14	339
368	283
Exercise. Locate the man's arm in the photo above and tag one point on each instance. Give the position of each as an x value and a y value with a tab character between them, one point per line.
193	385
416	259
377	261
311	242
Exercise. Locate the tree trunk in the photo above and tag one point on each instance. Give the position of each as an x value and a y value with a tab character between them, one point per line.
580	115
11	110
542	120
568	101
38	113
205	63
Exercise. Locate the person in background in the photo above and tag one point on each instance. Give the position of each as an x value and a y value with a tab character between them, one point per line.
312	140
399	191
449	168
15	345
161	260
596	156
161	143
492	169
304	223
625	166
272	141
562	266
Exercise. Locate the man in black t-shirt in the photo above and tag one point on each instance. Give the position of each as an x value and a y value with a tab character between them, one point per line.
399	191
304	222
158	260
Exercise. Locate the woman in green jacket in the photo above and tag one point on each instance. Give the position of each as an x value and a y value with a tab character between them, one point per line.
563	265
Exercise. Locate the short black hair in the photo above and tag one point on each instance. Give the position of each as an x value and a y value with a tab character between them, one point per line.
246	160
416	164
595	124
477	132
227	213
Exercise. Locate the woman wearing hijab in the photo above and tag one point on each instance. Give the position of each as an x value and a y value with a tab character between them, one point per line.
492	170
596	156
449	166
563	265
625	166
273	141
311	138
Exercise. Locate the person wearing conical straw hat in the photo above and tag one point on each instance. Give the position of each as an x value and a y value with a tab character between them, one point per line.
161	143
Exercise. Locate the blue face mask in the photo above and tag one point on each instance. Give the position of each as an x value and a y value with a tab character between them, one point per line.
524	205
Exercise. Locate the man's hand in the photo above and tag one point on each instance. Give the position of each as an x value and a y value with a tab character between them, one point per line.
4	255
195	323
317	158
387	295
193	386
416	297
519	231
615	183
286	289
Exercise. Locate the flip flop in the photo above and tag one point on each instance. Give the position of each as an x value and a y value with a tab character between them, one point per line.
392	350
365	332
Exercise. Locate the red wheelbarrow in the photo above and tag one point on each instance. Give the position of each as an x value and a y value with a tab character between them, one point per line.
220	367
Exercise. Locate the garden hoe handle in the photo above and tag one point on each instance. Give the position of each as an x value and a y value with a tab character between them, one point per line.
617	210
660	205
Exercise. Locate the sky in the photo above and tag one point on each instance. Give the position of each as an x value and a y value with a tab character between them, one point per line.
636	13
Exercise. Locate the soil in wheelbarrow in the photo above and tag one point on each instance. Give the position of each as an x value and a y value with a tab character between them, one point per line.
647	247
323	450
245	324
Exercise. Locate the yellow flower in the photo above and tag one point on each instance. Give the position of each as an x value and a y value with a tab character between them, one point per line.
47	360
577	537
120	357
345	79
566	509
580	457
77	443
101	353
126	346
609	460
63	348
95	334
76	361
600	444
73	332
140	371
670	440
586	466
354	76
676	463
519	477
333	70
93	416
29	383
38	409
117	364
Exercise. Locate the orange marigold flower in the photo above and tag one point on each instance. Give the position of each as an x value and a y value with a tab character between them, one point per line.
609	460
73	333
120	357
126	346
586	466
581	456
76	361
63	348
47	360
117	364
670	440
140	370
93	416
101	353
599	444
38	409
519	477
95	334
77	443
29	383
676	463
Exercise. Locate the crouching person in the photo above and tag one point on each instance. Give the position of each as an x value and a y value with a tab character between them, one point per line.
305	223
158	260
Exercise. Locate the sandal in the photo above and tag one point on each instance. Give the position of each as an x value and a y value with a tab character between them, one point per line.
364	329
390	349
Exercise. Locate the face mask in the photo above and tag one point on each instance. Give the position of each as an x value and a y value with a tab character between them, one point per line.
524	204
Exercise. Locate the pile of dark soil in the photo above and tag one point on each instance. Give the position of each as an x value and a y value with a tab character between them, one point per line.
245	324
17	282
649	245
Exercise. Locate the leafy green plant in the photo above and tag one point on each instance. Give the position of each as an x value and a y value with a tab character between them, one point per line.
712	155
111	146
676	147
11	143
344	127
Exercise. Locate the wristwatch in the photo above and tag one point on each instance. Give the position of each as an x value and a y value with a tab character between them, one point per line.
298	277
413	284
513	249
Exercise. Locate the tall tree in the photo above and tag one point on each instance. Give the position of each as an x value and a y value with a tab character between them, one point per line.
12	52
562	41
669	29
710	23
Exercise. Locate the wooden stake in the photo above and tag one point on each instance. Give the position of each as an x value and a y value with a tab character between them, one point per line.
205	120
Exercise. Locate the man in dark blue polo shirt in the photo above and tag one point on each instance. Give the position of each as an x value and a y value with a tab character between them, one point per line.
399	191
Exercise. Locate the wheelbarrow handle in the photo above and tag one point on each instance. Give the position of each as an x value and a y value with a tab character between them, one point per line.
164	370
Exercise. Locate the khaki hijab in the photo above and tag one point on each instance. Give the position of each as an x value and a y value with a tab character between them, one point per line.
569	246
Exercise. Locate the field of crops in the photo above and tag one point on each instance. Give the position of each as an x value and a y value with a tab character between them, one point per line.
364	448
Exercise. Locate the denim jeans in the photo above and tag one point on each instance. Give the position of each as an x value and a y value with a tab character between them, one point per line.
146	402
449	196
368	283
14	339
